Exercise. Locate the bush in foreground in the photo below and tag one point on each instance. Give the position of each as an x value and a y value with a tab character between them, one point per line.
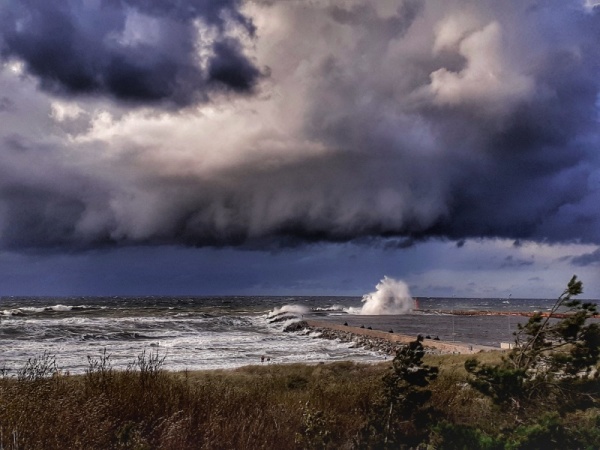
553	363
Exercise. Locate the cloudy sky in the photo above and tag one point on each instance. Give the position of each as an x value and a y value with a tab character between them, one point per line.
299	146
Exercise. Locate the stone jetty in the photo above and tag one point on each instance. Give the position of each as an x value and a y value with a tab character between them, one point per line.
378	340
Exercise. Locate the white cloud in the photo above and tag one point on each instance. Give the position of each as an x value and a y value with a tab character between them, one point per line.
591	4
487	81
62	110
451	31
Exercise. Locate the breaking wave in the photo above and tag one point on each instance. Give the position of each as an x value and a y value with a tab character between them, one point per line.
390	298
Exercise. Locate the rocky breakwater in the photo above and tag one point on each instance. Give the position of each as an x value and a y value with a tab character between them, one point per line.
376	340
350	334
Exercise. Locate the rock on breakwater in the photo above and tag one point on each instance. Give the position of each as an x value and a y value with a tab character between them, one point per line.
366	342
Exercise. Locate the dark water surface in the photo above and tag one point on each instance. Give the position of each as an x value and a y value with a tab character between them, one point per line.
225	332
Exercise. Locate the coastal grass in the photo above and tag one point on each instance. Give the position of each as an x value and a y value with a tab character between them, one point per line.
455	363
271	406
338	405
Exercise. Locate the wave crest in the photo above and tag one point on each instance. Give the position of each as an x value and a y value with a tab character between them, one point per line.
390	298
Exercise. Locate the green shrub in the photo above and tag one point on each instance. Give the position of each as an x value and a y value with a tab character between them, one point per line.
552	358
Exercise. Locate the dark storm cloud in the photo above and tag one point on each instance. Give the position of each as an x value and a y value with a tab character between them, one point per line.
513	159
588	259
510	262
131	50
452	119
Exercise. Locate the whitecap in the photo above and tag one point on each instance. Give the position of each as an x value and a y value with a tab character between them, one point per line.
330	308
60	308
32	309
293	309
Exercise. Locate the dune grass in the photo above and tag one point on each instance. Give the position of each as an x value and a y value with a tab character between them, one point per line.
288	406
338	406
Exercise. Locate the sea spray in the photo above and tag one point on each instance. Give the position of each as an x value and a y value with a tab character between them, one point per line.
287	313
297	310
391	297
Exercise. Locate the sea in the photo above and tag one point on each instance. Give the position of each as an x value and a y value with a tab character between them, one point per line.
200	333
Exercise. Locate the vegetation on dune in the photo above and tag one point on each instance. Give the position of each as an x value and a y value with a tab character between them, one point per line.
542	394
551	361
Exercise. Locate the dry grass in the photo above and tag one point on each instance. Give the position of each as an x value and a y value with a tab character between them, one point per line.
456	363
256	407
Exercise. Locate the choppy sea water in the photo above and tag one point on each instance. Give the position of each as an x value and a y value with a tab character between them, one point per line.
198	333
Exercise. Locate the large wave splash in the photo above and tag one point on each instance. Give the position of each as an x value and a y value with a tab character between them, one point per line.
298	310
391	297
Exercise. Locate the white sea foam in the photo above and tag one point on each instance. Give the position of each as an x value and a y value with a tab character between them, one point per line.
283	325
298	310
31	309
61	308
189	342
331	308
391	297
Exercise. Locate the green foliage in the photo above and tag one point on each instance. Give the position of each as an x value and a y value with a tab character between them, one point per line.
547	432
405	416
406	385
316	426
501	383
452	436
552	355
568	347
